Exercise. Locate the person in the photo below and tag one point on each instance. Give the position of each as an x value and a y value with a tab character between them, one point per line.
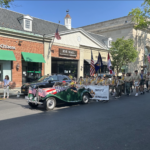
92	79
123	85
99	81
106	81
127	83
70	76
131	83
96	77
147	79
119	83
136	81
6	86
64	83
143	76
80	81
73	88
112	85
86	80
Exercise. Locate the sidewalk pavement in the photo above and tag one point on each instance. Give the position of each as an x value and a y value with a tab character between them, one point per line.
12	92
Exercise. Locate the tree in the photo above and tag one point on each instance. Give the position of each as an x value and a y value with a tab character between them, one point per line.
5	3
123	52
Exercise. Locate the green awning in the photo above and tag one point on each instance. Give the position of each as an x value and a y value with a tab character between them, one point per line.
7	55
33	57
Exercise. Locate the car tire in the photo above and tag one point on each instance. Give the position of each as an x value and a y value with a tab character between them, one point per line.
32	105
50	103
85	98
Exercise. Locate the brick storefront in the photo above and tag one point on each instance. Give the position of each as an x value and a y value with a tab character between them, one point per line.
26	46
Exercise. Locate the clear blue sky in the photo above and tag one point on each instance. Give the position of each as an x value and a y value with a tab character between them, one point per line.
82	12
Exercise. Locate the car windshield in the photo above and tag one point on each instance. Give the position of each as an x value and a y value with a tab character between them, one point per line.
43	78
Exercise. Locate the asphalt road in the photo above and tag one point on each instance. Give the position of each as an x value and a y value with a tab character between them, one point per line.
122	124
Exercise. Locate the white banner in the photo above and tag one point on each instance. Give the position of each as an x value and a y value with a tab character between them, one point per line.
100	92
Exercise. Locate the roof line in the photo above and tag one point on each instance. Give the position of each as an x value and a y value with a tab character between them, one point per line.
33	17
103	21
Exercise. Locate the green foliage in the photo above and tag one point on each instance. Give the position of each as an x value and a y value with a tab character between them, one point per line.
5	3
123	52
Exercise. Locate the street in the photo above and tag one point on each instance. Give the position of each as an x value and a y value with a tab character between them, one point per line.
121	124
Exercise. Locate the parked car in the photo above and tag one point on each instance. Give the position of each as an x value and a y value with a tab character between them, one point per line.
44	82
55	95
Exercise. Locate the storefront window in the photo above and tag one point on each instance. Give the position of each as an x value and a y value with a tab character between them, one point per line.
31	71
63	66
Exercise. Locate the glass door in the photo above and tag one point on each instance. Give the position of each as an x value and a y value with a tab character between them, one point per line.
1	72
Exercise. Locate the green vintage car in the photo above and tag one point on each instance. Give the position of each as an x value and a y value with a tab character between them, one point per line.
49	97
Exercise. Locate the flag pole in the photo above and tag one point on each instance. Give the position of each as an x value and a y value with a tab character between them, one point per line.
53	40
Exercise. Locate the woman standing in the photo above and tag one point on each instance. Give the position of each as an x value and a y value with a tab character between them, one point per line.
6	86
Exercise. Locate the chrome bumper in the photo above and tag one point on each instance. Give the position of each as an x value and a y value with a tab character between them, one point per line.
30	101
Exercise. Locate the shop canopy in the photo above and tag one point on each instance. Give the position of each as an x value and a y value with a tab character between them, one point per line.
7	55
33	57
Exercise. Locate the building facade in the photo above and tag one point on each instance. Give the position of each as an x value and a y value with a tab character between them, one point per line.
124	27
29	49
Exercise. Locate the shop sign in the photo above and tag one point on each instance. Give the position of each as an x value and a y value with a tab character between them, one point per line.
68	53
7	47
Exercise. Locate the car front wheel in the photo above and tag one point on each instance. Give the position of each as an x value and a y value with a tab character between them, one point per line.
85	98
50	103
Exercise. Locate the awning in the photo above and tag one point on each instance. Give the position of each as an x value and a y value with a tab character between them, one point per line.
95	61
7	55
33	57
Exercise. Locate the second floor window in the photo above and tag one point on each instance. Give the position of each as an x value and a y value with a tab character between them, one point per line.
27	24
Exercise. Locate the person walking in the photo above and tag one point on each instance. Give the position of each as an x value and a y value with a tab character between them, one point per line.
136	80
119	83
147	79
127	83
148	76
131	83
113	85
123	85
80	81
143	76
6	86
87	80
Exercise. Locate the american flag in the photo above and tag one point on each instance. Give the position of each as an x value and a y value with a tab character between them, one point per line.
92	66
148	57
57	35
109	65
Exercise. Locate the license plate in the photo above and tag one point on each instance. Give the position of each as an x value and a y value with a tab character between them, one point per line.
23	90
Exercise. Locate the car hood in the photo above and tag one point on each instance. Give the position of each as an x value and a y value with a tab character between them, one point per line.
34	83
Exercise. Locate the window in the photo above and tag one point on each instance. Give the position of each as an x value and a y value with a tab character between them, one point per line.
53	78
110	42
27	24
66	78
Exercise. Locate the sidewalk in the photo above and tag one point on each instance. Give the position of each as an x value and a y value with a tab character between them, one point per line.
12	92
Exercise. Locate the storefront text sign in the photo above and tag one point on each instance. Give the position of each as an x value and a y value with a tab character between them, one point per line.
68	53
7	47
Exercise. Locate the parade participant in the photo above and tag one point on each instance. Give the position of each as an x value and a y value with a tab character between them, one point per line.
136	80
131	83
96	77
119	83
92	79
123	85
106	81
127	83
80	81
73	88
99	81
146	79
87	80
143	76
112	85
70	76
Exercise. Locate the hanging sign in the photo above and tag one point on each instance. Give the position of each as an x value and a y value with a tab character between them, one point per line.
7	47
68	53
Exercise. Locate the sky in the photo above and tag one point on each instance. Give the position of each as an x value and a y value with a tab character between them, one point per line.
82	12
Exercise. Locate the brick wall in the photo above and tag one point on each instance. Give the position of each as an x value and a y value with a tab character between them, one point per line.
26	46
55	52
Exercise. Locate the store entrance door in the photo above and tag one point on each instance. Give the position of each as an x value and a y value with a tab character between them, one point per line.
1	72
